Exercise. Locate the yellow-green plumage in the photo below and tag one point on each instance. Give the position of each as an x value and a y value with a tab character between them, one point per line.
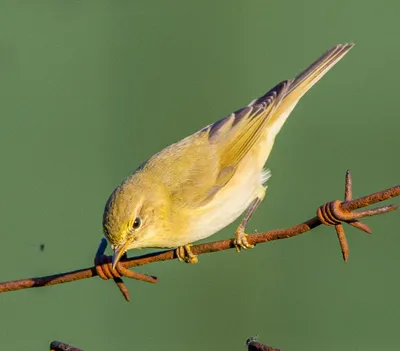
195	187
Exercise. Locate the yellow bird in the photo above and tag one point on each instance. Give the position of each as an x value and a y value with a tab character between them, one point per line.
199	185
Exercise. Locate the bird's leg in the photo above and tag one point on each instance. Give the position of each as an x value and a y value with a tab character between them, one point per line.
185	254
240	236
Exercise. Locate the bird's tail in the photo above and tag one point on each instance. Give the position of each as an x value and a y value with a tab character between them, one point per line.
304	81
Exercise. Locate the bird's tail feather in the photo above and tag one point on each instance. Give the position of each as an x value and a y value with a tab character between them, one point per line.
304	81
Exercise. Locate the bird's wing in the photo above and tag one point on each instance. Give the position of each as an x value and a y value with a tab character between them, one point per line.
198	167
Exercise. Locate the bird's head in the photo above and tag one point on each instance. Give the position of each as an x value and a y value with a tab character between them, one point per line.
135	214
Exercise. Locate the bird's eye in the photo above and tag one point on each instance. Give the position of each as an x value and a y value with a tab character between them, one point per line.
137	223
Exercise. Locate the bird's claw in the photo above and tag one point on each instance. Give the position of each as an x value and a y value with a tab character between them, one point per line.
186	255
240	240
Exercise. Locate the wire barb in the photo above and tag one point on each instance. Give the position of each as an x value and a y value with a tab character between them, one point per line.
253	345
103	266
333	214
62	346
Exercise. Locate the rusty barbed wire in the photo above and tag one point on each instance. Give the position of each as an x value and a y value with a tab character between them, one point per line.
332	213
251	343
62	346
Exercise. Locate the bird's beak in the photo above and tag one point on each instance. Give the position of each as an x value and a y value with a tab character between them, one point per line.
118	252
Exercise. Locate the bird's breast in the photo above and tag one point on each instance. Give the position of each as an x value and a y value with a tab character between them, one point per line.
227	205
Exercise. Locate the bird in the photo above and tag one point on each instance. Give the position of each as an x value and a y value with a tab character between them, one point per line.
195	187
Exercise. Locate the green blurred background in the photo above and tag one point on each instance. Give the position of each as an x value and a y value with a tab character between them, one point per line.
90	89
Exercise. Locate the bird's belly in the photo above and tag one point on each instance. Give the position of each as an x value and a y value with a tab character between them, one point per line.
226	206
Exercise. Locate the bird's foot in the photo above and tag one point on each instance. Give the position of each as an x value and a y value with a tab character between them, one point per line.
241	240
186	255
